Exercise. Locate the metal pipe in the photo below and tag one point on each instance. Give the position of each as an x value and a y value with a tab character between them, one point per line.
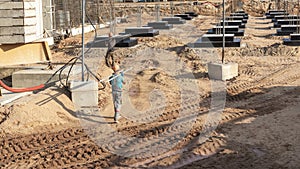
223	47
82	40
298	15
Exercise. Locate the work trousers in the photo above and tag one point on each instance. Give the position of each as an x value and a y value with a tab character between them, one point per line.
117	100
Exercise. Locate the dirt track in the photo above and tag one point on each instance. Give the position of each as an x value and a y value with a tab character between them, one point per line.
258	127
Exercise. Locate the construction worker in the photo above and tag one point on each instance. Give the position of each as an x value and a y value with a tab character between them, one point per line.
116	81
109	59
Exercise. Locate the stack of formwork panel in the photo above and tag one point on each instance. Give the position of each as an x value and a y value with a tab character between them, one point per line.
20	21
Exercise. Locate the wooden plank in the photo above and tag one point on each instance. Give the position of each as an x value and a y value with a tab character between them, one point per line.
14	54
17	21
15	30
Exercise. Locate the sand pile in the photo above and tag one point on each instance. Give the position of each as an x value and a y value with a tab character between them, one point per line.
275	50
48	110
256	7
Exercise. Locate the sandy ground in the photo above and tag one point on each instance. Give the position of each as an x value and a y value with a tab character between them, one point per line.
257	128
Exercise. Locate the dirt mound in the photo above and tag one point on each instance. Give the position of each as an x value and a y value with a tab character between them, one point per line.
48	110
161	42
160	78
256	7
274	50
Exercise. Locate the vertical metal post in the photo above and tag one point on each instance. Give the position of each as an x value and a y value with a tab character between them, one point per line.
139	16
172	8
82	40
157	8
298	16
223	47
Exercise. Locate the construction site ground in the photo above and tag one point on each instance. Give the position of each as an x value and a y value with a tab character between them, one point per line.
258	128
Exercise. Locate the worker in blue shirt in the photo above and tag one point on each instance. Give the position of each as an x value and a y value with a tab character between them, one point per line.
116	81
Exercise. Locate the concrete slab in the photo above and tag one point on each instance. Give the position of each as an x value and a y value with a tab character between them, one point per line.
217	37
239	23
136	30
184	16
8	97
245	15
141	31
33	77
287	30
236	33
18	13
17	21
272	15
13	39
23	30
278	17
294	40
174	20
192	14
280	22
84	94
121	41
200	43
237	18
275	10
130	42
227	28
160	25
225	71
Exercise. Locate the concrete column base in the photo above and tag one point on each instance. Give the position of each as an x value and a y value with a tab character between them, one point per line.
225	71
84	94
33	77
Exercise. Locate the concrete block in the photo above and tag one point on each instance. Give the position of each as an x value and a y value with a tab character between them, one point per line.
102	41
11	5
136	30
84	94
17	5
33	77
225	71
17	21
217	37
127	43
17	13
160	25
13	39
17	30
184	16
193	14
174	20
140	31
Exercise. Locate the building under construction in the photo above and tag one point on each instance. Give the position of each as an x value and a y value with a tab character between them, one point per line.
26	26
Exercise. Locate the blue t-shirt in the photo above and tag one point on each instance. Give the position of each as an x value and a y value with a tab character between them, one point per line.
117	81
